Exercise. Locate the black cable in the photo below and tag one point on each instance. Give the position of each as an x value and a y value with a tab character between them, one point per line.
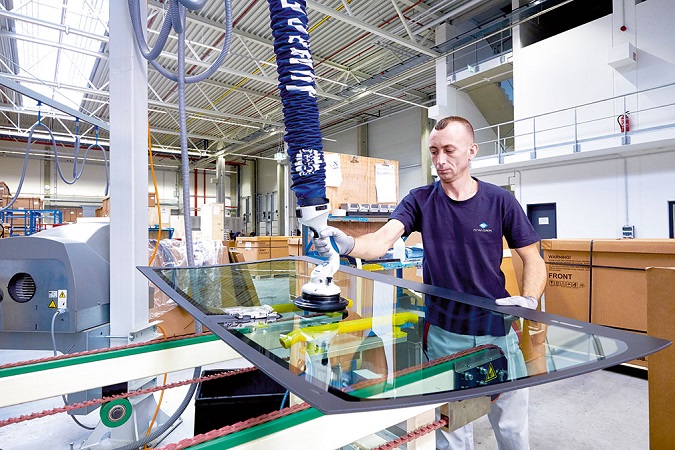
65	402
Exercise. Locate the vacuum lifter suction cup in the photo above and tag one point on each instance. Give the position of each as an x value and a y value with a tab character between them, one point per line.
321	294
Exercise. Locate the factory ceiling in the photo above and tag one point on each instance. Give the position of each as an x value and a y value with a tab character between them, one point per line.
372	58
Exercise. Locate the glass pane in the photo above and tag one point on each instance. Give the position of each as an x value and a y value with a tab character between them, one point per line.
374	350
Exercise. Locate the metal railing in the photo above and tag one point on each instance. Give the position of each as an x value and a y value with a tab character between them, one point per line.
24	222
482	50
569	130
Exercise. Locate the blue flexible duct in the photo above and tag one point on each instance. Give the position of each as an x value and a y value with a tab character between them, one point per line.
298	97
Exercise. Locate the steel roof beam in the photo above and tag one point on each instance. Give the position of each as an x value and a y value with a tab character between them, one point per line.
4	81
249	36
53	25
371	29
12	35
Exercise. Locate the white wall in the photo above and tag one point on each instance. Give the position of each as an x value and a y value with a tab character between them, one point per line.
594	199
571	69
89	189
345	142
267	176
398	138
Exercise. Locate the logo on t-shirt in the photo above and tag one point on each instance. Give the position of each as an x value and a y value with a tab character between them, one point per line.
483	228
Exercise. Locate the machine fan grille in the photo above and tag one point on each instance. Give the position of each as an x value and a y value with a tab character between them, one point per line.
21	287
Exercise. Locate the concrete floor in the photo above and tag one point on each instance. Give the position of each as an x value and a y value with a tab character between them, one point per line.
600	410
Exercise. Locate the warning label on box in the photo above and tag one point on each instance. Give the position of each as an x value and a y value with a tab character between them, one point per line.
567	276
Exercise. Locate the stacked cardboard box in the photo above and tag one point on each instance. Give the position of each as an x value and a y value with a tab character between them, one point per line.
21	202
660	324
104	210
568	268
603	281
70	214
256	248
278	246
295	246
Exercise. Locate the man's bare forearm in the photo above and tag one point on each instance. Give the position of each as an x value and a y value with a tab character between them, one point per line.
376	244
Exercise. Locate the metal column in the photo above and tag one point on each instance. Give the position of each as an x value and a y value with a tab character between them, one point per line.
128	176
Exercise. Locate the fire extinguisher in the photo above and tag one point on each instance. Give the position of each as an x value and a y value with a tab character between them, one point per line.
624	122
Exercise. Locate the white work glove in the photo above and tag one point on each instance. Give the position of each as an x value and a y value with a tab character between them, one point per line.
343	242
526	301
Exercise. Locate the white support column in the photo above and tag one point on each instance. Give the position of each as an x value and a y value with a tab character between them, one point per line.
445	95
425	156
283	188
128	176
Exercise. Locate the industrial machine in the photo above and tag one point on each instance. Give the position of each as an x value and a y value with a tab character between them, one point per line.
54	291
64	268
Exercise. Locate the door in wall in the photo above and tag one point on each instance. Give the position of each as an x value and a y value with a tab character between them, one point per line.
543	218
671	219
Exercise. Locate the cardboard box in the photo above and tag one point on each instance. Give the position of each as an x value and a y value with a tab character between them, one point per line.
105	205
603	281
71	214
152	199
279	252
254	253
175	320
253	241
255	248
619	279
660	324
278	241
568	277
22	202
295	246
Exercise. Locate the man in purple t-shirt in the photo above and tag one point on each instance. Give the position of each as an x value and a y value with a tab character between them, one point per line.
462	221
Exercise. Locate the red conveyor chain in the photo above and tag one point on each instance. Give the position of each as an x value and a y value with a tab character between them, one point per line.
189	442
100	401
415	434
229	429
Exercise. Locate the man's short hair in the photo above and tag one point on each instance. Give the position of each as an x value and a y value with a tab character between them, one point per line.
461	120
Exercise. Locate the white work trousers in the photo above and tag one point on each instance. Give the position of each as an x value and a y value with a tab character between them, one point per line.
509	414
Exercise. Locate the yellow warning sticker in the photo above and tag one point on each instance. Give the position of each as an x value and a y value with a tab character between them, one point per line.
62	294
52	304
491	374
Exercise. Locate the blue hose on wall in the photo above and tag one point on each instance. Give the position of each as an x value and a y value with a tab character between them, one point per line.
288	20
